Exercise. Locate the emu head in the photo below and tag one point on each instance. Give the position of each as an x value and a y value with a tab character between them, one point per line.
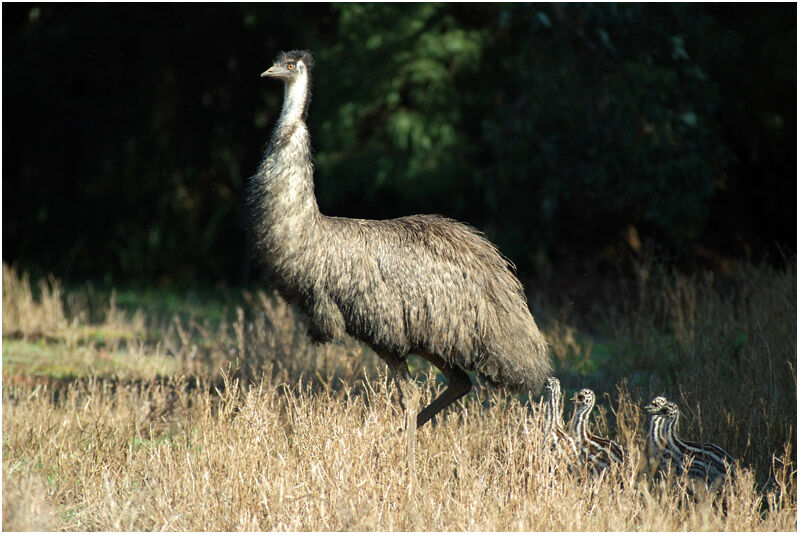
656	404
663	408
288	66
584	397
552	388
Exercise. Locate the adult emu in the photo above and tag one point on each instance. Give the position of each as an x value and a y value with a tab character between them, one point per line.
422	284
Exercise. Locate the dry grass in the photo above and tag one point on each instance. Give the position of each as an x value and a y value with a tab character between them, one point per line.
25	503
26	316
308	439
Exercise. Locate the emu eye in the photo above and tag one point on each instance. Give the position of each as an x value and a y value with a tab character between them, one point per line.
290	66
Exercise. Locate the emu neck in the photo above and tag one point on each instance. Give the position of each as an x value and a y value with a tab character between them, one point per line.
654	433
672	433
559	408
549	415
283	207
581	416
660	431
295	101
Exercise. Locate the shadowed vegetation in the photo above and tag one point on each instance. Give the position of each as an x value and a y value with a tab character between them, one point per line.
568	133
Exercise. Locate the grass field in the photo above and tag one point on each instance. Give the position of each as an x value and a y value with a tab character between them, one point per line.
134	411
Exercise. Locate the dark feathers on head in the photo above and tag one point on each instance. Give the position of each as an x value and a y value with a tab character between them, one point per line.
296	55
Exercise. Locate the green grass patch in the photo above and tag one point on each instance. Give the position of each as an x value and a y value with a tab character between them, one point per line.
59	361
209	305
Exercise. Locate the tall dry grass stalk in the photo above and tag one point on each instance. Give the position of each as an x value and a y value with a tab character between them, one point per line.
301	437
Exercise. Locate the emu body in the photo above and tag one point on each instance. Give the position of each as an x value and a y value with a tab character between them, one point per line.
422	284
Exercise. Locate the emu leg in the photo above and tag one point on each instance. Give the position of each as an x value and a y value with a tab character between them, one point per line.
458	385
409	400
409	394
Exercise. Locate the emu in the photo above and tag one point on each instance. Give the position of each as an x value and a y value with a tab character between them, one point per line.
705	461
596	452
422	284
556	438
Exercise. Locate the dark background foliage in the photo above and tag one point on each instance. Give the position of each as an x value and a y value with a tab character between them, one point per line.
570	134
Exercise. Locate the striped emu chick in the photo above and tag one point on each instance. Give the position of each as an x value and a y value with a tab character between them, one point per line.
705	461
596	452
557	440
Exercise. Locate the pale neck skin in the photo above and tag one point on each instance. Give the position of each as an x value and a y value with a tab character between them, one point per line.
295	98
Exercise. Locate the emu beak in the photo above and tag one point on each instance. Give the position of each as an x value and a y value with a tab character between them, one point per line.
269	72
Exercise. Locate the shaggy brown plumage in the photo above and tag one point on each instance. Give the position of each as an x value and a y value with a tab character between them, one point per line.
421	284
